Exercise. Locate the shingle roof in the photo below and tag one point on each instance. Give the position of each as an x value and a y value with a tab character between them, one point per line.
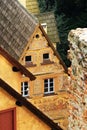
52	31
16	26
28	105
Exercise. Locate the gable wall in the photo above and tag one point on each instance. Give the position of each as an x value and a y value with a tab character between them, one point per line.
24	118
36	48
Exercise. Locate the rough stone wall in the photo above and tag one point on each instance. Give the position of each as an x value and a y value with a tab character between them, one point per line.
78	79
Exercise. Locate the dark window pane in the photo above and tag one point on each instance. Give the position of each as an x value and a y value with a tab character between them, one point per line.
46	90
26	83
51	80
28	58
25	88
51	84
26	92
51	89
46	85
46	56
46	80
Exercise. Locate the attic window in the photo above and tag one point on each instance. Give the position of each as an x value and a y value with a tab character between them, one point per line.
46	59
28	58
46	56
37	35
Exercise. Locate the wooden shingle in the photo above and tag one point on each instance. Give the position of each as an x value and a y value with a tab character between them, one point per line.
16	27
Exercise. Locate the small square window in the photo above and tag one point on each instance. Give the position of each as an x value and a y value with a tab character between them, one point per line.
28	58
46	56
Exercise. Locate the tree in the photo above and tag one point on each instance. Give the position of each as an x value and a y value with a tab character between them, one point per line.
70	14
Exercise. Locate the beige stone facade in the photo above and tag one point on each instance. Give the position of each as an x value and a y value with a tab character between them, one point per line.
52	103
24	114
25	119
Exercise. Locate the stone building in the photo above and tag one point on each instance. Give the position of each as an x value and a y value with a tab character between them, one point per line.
78	83
23	38
16	113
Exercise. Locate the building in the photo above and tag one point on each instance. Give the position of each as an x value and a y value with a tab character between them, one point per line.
50	86
23	37
15	111
47	20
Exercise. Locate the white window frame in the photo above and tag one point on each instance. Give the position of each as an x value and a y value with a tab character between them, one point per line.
23	90
48	86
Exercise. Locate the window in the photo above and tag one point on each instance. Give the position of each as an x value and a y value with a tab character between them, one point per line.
48	86
46	56
24	89
28	58
37	35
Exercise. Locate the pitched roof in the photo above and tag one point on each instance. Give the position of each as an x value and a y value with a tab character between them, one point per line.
49	19
15	63
28	105
16	26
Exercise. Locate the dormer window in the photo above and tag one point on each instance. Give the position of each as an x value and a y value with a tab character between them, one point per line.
28	59
46	56
46	59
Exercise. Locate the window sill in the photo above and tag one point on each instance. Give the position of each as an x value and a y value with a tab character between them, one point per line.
49	94
45	62
30	64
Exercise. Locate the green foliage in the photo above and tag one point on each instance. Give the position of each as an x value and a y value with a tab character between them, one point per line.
70	7
70	14
46	5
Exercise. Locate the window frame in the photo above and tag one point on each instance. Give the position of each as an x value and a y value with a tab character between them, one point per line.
23	90
28	61
44	56
49	86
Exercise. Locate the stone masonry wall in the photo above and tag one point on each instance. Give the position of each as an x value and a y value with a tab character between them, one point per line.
78	79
